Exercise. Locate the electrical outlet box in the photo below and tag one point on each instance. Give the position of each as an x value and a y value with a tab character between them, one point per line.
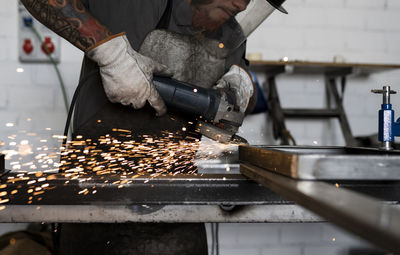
29	47
2	163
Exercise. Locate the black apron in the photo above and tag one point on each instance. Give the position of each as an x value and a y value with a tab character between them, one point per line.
94	117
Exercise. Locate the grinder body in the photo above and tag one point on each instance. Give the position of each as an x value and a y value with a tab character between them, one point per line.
220	117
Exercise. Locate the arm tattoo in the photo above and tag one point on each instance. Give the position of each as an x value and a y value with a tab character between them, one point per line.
70	20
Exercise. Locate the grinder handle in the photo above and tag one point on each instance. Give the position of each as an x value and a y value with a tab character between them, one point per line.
187	97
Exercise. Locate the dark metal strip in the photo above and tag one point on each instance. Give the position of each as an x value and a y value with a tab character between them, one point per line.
207	189
344	123
310	113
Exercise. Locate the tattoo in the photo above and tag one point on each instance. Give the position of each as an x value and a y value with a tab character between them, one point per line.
70	20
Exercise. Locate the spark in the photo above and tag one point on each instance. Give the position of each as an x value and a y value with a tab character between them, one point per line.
117	155
84	191
2	201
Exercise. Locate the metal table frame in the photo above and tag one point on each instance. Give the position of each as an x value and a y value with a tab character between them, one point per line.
335	74
180	198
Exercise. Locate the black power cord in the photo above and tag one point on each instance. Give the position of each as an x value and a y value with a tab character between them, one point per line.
72	106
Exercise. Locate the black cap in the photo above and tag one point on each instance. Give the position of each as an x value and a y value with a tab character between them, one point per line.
278	5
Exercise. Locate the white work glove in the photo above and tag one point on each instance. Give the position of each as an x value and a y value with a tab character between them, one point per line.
238	79
127	75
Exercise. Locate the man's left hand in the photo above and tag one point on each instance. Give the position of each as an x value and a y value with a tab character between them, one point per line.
240	81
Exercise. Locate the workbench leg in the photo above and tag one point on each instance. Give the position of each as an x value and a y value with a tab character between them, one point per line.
276	112
344	123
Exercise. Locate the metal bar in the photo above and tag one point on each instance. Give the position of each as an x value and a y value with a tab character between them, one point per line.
371	219
344	123
145	213
204	189
327	163
276	112
343	81
310	113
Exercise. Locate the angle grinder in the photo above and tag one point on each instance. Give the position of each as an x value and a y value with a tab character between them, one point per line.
219	116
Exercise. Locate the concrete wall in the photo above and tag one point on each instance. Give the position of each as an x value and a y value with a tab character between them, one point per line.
315	30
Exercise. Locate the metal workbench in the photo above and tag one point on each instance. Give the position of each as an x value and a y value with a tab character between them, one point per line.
179	198
367	208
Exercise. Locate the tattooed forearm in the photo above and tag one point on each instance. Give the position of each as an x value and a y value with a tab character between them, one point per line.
70	20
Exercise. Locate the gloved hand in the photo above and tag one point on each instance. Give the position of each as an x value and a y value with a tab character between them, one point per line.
127	75
240	81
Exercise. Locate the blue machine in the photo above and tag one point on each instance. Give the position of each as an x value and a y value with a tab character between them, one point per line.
388	128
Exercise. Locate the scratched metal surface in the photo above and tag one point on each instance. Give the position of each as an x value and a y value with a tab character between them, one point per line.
325	163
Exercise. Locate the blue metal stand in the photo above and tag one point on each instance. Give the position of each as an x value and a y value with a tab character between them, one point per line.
388	128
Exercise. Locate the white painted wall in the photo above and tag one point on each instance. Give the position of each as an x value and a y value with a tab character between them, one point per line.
315	30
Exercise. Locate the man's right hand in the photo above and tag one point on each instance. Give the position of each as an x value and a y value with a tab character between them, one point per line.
127	75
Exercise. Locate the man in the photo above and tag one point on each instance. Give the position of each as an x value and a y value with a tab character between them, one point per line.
126	42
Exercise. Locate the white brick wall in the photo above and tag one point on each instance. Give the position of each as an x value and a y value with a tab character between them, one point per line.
393	4
356	31
318	30
285	238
